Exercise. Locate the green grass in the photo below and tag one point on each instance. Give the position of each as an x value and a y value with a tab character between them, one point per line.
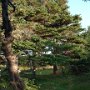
69	82
44	72
45	80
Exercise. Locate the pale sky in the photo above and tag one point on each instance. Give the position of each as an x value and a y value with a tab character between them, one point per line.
82	8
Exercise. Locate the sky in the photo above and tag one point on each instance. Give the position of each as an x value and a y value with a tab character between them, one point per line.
82	8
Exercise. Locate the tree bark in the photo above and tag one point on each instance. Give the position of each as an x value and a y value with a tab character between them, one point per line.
54	69
12	61
32	68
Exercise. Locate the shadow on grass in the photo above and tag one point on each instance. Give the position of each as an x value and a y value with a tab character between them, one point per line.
45	80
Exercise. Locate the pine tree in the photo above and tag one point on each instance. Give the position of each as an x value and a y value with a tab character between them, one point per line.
48	20
12	62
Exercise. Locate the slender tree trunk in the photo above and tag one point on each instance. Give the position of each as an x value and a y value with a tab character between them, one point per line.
54	69
12	66
32	69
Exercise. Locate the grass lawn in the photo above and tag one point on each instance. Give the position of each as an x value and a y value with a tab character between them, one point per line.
46	81
51	82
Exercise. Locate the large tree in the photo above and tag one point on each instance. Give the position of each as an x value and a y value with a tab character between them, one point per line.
12	63
48	21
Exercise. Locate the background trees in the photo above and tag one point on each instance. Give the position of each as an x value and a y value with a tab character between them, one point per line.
48	29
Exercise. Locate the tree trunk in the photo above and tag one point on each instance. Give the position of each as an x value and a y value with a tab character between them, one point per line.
55	69
12	65
32	69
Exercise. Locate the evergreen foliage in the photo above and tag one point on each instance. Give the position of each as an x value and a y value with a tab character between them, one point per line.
39	24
